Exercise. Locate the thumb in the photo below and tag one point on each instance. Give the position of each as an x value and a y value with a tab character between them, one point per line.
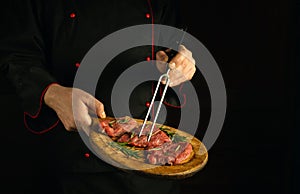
162	56
100	109
172	65
94	105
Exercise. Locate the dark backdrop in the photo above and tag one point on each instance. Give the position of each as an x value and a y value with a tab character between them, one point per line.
254	43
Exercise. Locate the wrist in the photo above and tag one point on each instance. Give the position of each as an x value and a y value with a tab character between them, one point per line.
51	94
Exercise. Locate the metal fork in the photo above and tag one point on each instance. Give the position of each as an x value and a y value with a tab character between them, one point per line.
166	75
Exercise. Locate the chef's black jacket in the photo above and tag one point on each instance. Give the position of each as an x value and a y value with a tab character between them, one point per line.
44	41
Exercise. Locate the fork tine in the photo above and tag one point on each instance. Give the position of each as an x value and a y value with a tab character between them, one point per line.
166	75
173	52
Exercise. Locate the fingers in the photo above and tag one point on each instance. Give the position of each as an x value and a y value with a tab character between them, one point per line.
67	121
75	108
162	56
183	54
161	59
94	105
182	67
81	114
100	109
172	65
69	124
178	76
183	50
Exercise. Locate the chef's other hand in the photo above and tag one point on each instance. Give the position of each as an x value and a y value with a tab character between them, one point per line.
182	66
84	105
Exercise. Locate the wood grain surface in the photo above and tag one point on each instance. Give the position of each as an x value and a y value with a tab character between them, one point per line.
102	145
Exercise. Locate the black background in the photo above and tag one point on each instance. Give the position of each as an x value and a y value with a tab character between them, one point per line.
255	44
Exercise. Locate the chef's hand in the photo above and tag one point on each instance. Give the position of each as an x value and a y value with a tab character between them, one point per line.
84	105
182	66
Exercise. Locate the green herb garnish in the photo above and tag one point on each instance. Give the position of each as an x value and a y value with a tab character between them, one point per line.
132	135
125	150
168	132
124	120
173	135
177	148
153	149
178	138
111	123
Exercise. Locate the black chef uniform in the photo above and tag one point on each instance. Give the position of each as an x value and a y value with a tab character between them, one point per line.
43	43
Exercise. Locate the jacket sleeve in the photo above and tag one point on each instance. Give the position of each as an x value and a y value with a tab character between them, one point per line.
171	15
23	61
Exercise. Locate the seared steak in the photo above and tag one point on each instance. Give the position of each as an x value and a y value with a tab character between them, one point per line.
159	150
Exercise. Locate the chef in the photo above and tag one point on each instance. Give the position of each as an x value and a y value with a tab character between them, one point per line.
42	48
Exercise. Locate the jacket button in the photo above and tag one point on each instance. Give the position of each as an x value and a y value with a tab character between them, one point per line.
77	64
148	104
87	155
148	15
148	58
72	15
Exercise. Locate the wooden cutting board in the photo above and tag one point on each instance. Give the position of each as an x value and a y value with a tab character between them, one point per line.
109	152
